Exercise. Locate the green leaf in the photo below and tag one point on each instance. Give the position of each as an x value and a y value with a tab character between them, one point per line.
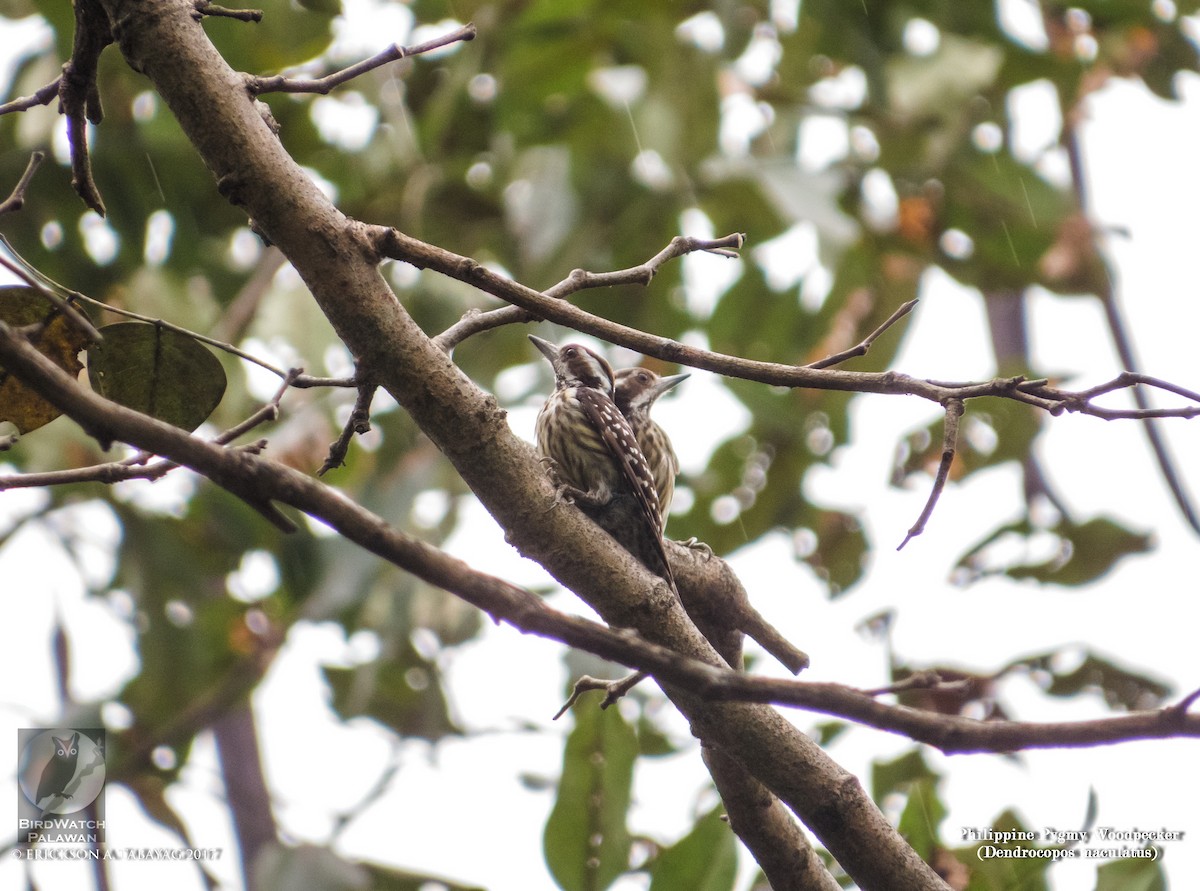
402	691
1121	687
895	775
158	372
289	33
828	731
703	860
1085	551
58	340
586	842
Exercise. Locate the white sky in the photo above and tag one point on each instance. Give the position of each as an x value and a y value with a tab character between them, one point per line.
1141	154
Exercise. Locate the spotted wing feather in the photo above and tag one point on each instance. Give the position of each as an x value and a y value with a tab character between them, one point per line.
618	436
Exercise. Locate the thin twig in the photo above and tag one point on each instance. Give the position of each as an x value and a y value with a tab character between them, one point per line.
861	348
358	423
954	411
44	96
643	274
280	83
45	287
16	200
204	7
1182	706
918	680
476	321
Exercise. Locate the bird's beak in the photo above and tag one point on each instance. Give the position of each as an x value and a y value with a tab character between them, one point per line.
549	350
669	383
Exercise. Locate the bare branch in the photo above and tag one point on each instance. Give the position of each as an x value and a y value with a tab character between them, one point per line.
396	245
204	7
1181	707
16	200
680	245
476	321
44	96
323	85
954	411
861	348
47	289
358	423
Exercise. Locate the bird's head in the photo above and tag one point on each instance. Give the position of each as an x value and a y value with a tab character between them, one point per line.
577	366
637	389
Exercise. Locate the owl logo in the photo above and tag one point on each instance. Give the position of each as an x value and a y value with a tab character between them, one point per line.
62	771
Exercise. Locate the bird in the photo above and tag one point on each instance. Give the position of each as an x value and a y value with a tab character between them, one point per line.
635	392
59	770
595	456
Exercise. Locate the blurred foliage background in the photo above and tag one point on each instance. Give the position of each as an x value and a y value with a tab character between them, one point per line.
861	146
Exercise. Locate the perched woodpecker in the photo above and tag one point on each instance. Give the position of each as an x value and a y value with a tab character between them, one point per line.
636	391
595	454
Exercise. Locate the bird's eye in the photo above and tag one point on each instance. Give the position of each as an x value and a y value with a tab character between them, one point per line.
569	352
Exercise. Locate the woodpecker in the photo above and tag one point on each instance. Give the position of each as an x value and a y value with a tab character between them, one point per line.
595	453
636	391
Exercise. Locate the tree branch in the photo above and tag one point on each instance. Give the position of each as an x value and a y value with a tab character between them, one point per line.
79	96
477	321
861	348
43	96
396	245
206	7
16	199
323	85
954	411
